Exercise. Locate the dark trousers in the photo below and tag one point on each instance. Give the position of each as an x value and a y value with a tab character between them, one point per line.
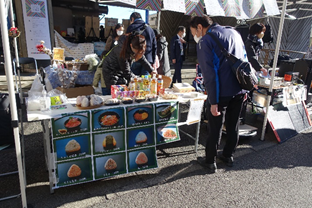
230	109
177	72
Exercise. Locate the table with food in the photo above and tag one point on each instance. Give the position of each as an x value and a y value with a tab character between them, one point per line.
93	137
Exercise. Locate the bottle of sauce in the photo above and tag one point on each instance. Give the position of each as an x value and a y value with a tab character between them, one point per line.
154	85
160	85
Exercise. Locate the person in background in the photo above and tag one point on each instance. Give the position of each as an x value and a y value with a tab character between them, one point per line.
101	33
116	66
224	94
177	53
162	54
112	40
137	26
81	35
254	44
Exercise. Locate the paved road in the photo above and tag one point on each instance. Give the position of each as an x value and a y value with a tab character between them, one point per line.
266	174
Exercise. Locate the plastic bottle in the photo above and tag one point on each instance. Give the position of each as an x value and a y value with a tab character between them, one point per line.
146	85
45	102
132	85
160	85
154	85
140	84
135	82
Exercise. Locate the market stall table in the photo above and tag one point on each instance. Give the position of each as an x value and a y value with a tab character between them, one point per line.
137	139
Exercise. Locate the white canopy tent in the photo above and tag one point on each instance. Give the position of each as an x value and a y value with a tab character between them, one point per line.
4	7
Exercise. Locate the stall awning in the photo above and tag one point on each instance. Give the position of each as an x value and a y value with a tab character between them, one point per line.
241	9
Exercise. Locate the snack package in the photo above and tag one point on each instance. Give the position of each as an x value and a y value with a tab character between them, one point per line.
116	88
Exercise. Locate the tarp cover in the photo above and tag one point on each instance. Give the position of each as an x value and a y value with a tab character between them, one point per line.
75	50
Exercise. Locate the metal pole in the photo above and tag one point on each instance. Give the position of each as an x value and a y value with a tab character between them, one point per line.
158	20
9	76
277	48
146	16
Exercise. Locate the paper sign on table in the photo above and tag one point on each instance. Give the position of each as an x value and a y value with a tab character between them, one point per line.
194	114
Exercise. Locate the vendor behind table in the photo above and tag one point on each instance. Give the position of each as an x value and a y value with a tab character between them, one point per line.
116	66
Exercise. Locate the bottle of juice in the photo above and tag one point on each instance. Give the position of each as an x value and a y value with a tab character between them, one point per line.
146	85
154	85
132	85
140	84
160	85
135	79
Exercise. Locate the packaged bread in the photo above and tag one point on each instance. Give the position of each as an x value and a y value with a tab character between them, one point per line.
110	164
141	138
109	142
74	171
72	147
141	159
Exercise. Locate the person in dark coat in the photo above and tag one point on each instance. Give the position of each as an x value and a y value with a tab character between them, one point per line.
177	53
254	44
138	25
225	96
162	53
116	66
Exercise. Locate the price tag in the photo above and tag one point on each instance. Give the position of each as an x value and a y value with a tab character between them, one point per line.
58	54
194	114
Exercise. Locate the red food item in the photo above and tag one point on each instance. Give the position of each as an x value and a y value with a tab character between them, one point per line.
72	122
169	134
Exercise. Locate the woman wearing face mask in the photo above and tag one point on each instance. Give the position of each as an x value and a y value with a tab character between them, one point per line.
254	44
113	39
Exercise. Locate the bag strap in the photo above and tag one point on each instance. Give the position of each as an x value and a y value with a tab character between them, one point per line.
223	50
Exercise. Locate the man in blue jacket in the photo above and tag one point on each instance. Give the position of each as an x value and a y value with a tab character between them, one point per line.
177	53
137	24
225	96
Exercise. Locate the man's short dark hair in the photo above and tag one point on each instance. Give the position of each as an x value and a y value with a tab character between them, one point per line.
181	28
204	21
135	15
257	28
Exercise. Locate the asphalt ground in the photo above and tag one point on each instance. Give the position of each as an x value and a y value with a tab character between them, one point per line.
265	174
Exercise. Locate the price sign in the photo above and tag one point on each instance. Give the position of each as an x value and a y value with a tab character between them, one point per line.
194	114
58	54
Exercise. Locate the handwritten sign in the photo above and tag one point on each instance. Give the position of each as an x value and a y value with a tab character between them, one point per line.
177	6
194	114
58	54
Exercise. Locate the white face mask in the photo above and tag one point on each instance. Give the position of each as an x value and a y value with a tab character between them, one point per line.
183	35
119	32
196	38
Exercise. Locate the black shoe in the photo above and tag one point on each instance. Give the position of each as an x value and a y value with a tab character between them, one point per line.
212	167
229	161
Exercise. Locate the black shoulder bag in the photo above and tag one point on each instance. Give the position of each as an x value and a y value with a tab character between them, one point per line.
244	72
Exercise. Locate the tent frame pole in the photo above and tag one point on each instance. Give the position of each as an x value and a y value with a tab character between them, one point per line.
277	49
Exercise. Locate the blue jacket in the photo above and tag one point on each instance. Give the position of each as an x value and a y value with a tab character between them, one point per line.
175	49
151	44
220	81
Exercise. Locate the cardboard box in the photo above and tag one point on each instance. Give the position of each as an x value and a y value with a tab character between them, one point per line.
76	91
110	24
126	23
80	66
92	22
183	87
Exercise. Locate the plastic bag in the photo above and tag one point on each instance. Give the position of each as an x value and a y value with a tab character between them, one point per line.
36	86
93	60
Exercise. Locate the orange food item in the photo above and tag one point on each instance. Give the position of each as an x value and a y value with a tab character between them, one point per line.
110	164
141	159
169	134
74	171
140	116
109	120
72	122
